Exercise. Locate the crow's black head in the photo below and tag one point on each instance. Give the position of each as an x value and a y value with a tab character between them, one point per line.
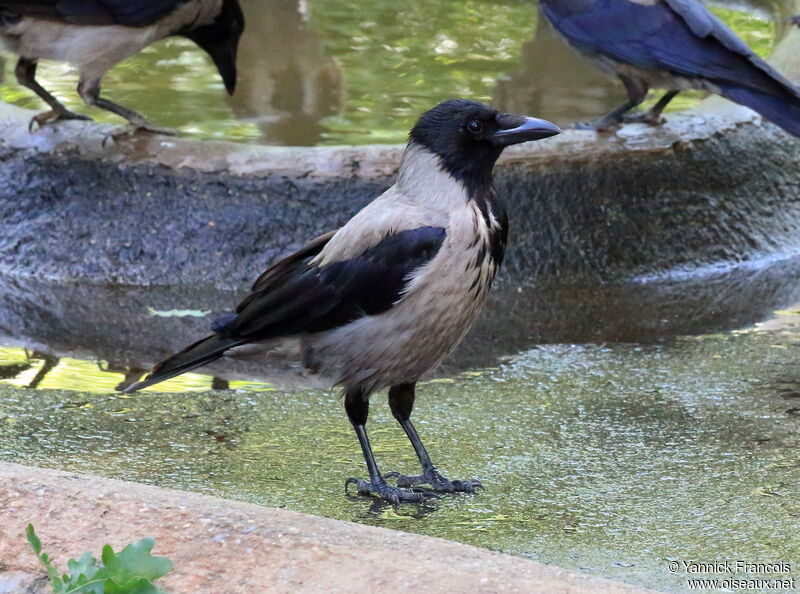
220	40
469	136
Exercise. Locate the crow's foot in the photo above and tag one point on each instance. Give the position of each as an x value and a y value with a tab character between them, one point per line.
648	117
55	115
130	132
143	126
389	493
436	481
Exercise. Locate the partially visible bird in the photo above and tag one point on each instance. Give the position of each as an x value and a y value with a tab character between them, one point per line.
674	45
95	35
384	299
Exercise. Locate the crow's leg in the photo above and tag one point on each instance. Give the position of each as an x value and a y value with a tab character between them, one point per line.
653	115
26	76
637	93
401	401
356	403
89	90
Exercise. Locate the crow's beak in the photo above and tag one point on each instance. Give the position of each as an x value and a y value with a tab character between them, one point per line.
516	129
225	60
223	53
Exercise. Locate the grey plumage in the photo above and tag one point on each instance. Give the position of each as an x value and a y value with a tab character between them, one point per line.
95	35
384	299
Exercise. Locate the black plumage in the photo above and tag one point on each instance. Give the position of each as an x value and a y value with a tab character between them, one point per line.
139	13
675	44
296	296
94	35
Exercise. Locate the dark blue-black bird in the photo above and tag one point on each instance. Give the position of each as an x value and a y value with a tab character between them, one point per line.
674	45
381	301
95	35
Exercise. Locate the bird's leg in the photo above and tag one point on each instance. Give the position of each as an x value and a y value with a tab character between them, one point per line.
637	93
653	115
89	90
401	401
25	72
356	403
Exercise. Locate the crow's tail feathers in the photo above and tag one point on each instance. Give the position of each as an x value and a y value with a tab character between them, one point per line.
205	351
783	110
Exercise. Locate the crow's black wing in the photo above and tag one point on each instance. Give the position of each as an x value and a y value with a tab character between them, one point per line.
297	296
132	13
680	36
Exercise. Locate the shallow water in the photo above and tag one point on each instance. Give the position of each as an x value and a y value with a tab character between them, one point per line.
669	433
346	72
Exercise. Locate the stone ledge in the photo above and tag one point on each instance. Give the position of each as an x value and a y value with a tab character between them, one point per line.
226	546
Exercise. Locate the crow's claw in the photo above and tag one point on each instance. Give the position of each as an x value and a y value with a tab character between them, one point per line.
389	493
436	481
55	115
647	117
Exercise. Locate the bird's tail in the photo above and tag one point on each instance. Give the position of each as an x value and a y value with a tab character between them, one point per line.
205	351
783	109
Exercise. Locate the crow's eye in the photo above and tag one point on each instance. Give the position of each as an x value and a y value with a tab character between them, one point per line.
475	127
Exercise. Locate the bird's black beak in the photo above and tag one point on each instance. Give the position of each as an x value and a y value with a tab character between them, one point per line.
516	129
222	52
225	60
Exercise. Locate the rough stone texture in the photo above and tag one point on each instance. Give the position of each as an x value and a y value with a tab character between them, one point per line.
222	546
712	185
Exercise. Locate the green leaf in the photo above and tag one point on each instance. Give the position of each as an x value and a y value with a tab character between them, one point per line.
131	571
81	574
86	565
86	587
34	541
126	570
52	570
140	586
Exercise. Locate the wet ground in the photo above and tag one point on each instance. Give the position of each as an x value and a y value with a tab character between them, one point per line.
656	421
348	72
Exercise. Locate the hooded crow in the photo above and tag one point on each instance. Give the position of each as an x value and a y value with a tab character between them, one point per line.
384	299
95	35
675	45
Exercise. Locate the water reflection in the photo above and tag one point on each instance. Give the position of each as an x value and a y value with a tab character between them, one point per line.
129	329
556	82
289	84
353	72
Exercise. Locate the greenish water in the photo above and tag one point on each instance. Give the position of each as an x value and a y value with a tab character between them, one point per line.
347	72
611	459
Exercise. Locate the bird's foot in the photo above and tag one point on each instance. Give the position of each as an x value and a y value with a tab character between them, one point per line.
130	132
389	493
647	117
436	481
55	115
142	125
152	129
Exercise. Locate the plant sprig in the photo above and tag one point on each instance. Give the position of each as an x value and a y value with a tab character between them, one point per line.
131	571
